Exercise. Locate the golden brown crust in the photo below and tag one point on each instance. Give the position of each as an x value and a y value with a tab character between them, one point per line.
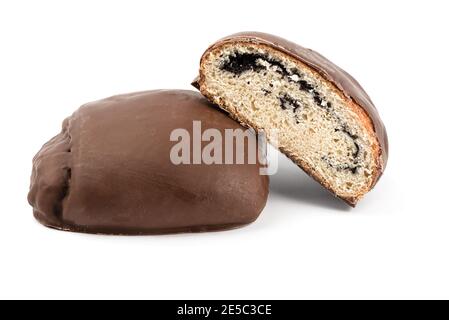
363	114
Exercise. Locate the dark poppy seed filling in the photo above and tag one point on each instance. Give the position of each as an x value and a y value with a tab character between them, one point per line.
287	102
341	167
266	92
242	62
239	63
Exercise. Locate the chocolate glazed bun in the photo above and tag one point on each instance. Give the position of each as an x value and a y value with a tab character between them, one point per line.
109	171
326	123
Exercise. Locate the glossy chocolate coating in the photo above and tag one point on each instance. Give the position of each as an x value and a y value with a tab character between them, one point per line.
331	72
109	171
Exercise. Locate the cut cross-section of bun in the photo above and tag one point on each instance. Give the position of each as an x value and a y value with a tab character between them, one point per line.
323	120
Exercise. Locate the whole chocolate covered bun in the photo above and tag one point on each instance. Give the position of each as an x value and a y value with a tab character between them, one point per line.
109	171
323	119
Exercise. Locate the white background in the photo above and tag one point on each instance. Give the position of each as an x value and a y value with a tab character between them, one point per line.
56	55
